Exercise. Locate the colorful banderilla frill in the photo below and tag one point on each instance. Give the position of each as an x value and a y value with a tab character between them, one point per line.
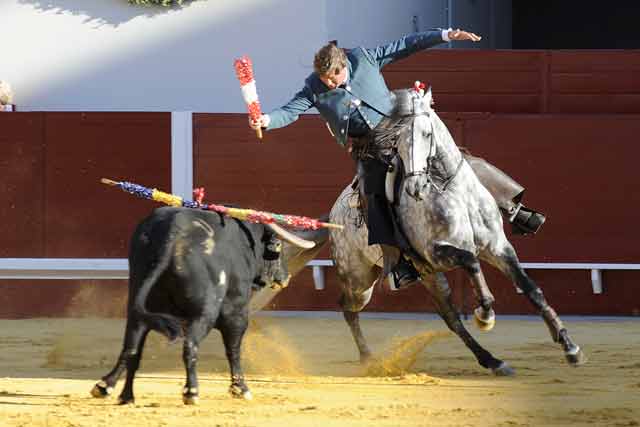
244	72
294	221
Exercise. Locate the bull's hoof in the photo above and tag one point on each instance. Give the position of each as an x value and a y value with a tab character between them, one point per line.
575	356
237	392
101	390
190	396
503	370
485	320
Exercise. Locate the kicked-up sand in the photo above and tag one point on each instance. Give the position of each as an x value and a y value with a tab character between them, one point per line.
304	371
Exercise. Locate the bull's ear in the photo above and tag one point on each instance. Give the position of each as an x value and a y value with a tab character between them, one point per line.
290	237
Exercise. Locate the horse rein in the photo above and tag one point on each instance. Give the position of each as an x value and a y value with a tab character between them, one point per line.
427	170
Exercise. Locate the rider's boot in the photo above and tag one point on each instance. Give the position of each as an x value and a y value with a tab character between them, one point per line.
508	194
524	220
403	274
399	271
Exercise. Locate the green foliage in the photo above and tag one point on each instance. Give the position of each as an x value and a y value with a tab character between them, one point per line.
157	2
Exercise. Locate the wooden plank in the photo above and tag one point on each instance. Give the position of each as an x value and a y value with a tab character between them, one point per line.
576	169
298	169
85	218
617	103
470	60
491	103
469	83
22	189
581	61
599	82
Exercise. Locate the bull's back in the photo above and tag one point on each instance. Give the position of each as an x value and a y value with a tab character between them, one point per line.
175	248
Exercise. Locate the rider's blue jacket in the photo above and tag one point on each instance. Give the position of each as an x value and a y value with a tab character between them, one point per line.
365	99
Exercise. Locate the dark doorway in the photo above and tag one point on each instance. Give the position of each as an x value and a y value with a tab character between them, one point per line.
572	24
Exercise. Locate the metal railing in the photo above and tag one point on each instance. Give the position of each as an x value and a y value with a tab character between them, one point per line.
117	268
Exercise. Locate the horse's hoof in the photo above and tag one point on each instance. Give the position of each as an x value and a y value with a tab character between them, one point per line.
503	370
190	399
237	392
101	390
190	396
484	320
126	400
575	357
365	358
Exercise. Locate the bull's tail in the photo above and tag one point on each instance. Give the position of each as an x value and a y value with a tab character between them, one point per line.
165	324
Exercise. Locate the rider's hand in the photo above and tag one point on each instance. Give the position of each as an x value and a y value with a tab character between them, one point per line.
262	122
459	35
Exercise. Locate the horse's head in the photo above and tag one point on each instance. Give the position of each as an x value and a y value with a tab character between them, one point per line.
429	154
415	144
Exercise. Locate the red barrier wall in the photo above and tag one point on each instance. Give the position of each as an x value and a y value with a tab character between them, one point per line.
576	168
529	81
577	163
53	204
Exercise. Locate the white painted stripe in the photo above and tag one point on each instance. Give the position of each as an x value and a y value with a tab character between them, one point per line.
182	154
578	266
117	268
249	92
64	268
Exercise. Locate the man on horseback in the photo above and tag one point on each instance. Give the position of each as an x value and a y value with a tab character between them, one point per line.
349	92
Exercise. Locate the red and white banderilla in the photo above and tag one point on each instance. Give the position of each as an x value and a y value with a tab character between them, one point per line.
244	72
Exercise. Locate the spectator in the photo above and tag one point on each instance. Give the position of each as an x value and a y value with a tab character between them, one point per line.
6	97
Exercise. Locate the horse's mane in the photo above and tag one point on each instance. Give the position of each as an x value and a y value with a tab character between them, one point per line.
401	116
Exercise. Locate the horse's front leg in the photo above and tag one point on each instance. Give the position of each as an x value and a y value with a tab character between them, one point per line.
484	315
508	263
440	291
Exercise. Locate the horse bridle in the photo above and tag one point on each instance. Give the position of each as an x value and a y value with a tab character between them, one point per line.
428	170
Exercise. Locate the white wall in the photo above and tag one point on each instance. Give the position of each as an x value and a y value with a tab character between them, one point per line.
106	55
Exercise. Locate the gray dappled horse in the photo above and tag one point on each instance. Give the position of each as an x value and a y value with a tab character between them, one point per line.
449	219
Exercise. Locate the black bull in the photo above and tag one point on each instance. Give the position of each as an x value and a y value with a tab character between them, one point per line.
191	271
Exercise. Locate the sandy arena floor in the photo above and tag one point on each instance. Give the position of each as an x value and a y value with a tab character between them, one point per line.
303	372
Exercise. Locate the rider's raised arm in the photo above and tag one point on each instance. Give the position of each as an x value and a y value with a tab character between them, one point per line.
289	113
408	44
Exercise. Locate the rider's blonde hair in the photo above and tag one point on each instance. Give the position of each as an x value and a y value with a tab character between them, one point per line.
6	94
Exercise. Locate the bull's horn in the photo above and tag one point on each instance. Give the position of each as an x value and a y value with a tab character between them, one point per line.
291	238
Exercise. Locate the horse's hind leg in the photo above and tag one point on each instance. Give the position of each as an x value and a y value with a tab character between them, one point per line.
484	315
508	263
357	288
353	320
438	288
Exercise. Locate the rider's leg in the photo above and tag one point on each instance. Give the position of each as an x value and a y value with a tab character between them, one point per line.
400	270
508	194
380	223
